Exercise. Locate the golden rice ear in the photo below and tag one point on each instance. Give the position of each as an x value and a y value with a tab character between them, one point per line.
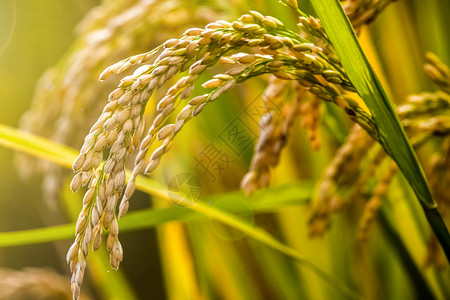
310	110
371	206
275	126
66	99
253	45
343	170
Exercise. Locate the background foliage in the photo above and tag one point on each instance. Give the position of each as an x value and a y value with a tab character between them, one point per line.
199	258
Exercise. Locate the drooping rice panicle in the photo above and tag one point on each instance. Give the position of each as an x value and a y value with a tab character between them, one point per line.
251	31
438	72
310	110
252	46
66	102
275	125
344	168
372	205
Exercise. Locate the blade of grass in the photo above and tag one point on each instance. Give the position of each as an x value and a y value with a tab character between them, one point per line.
200	254
273	199
392	135
111	285
229	272
43	148
36	146
255	233
37	235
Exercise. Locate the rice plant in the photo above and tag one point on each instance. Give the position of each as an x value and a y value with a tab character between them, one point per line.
304	172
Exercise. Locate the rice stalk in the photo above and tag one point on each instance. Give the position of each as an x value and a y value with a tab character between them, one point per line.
426	119
252	46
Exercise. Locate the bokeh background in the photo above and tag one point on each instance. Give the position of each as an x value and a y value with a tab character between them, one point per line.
205	260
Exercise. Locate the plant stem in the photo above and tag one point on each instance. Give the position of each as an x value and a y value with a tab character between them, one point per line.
422	288
392	135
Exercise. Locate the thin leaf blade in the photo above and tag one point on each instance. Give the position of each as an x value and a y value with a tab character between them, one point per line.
392	135
38	146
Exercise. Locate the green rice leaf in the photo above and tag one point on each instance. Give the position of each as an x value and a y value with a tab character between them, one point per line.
392	135
43	148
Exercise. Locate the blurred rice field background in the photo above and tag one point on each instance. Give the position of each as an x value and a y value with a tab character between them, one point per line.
181	254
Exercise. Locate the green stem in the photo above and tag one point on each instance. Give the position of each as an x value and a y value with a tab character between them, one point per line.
392	135
422	288
439	228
